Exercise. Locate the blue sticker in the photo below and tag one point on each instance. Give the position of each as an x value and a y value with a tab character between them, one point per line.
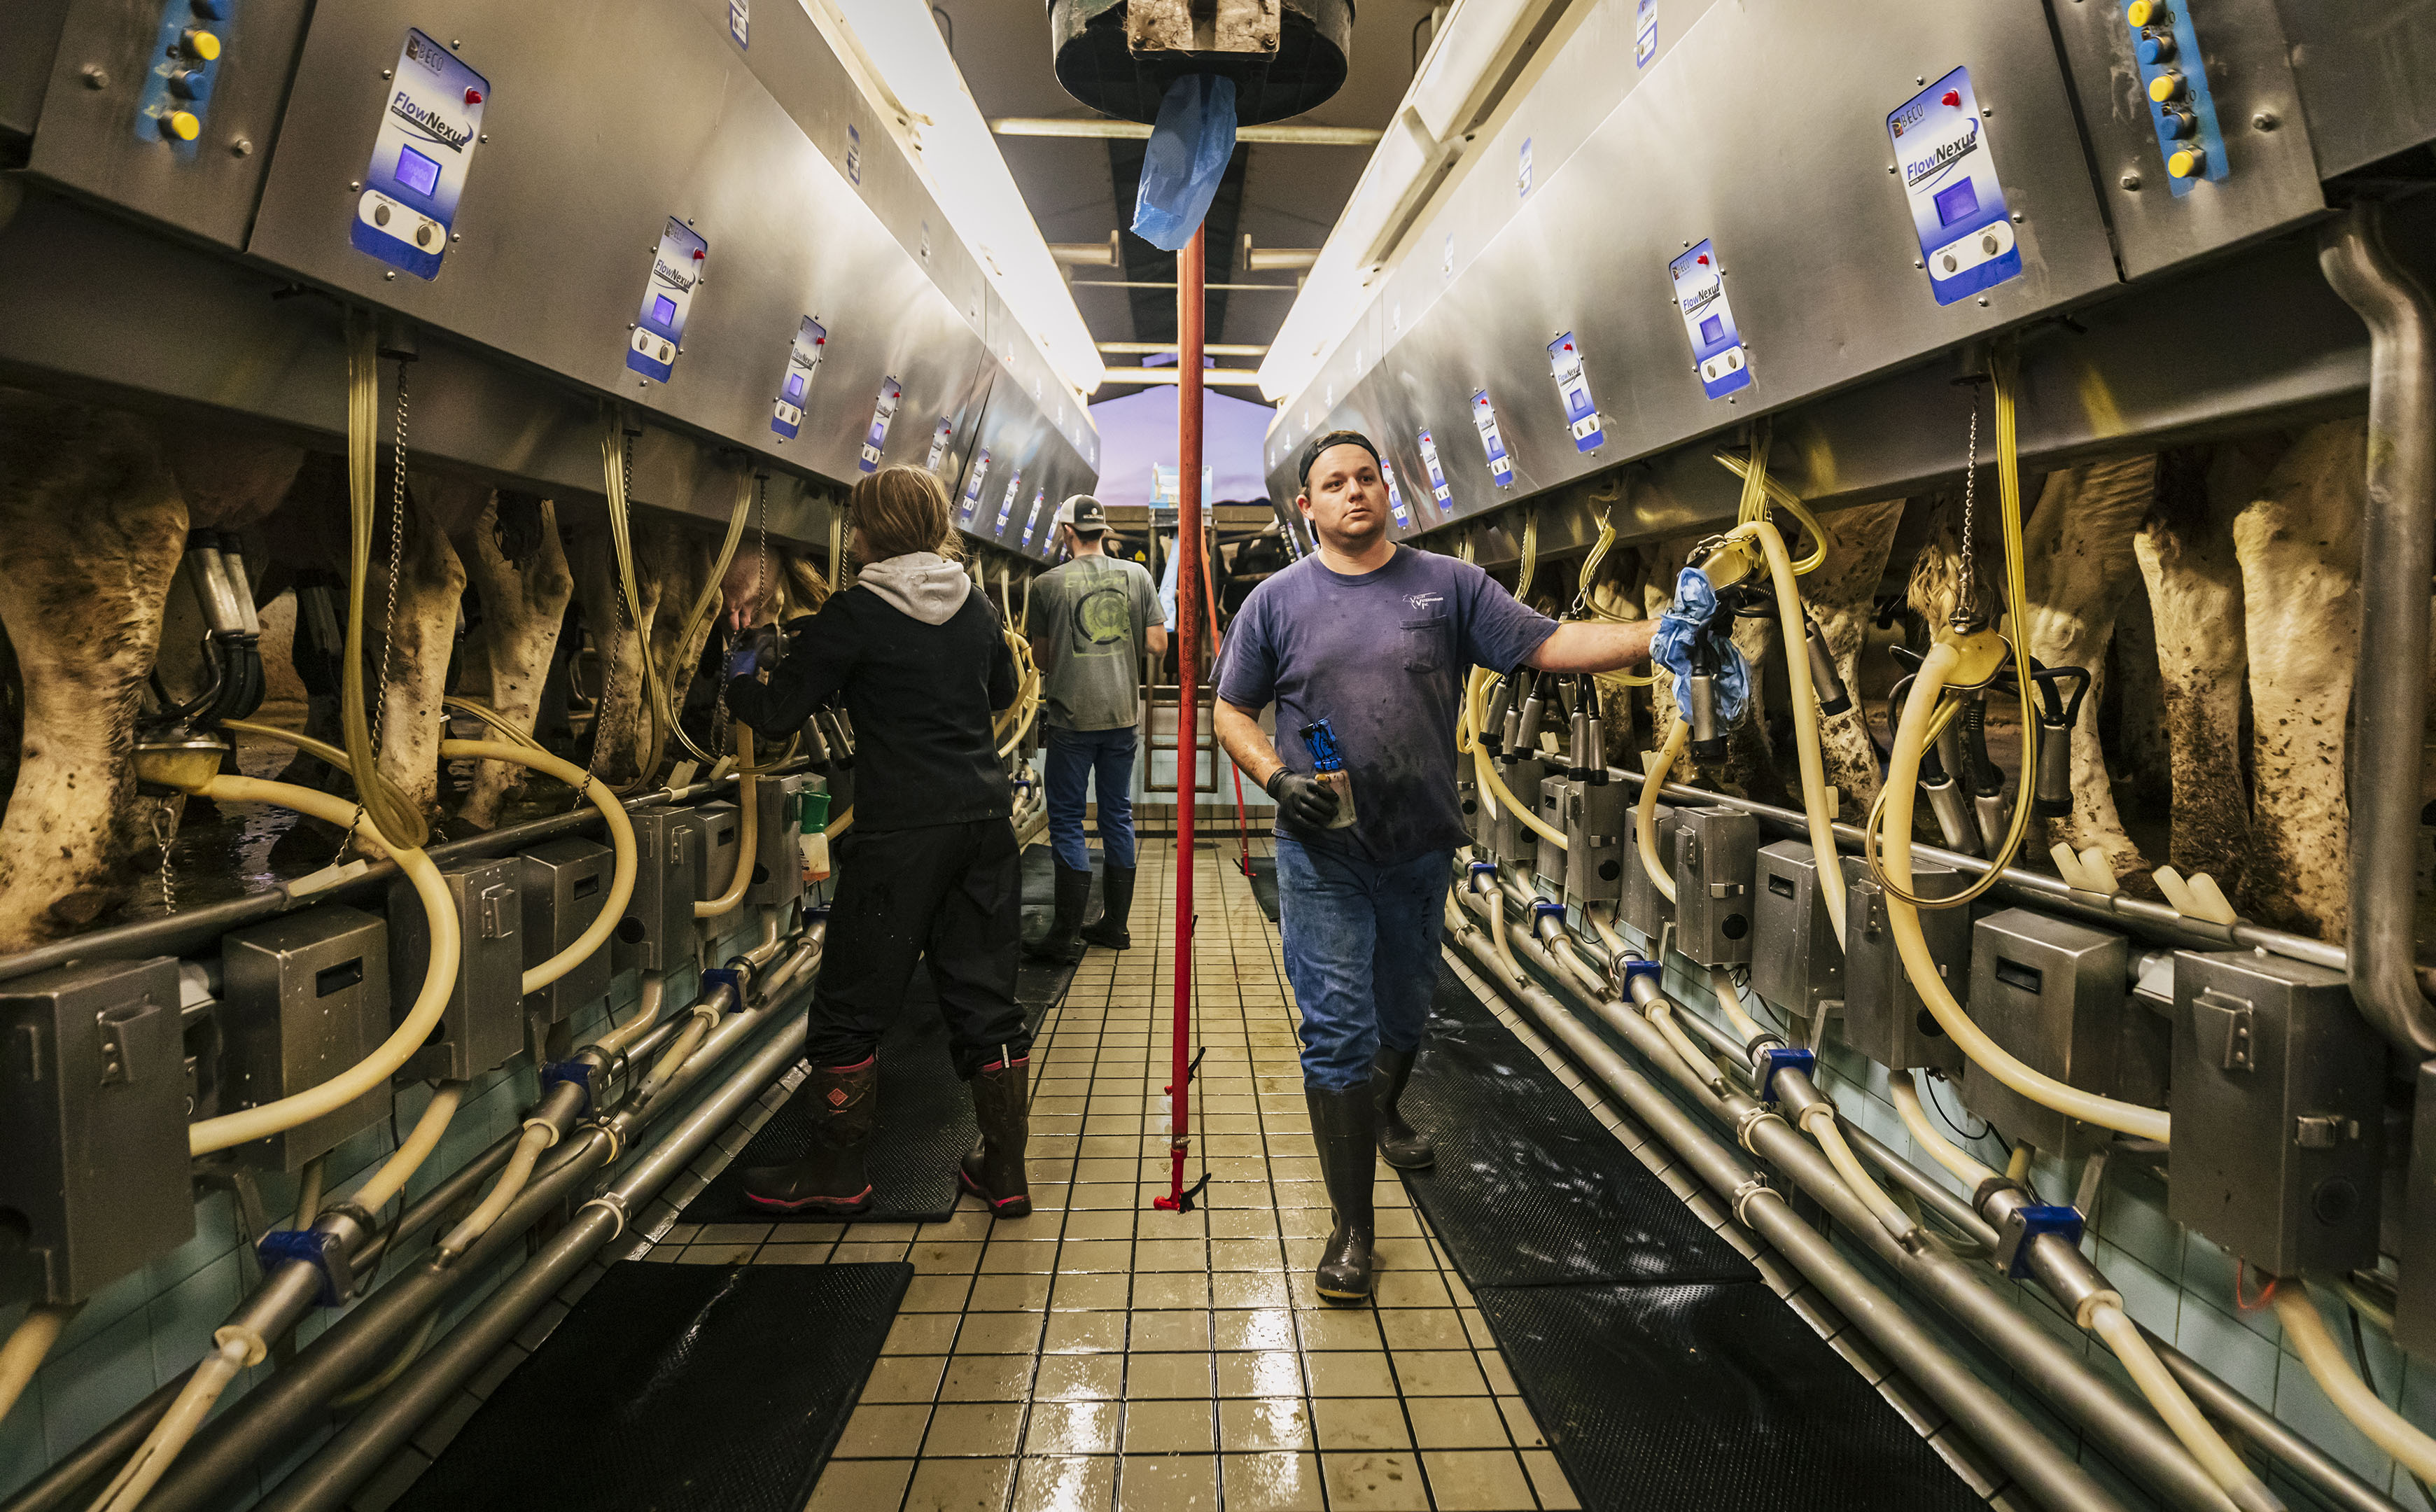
428	131
739	22
1644	33
1006	504
939	439
1523	172
659	330
1438	489
1031	521
1716	344
875	440
973	488
1484	419
1395	496
803	360
177	94
1966	240
1581	415
2174	81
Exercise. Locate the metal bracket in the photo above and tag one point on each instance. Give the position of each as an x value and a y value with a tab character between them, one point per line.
578	1073
315	1248
494	902
735	980
1780	1058
2025	1224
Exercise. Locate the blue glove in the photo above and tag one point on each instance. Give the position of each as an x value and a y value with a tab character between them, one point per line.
743	659
1686	618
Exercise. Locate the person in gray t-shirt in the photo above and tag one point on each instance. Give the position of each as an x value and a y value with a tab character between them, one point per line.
1091	621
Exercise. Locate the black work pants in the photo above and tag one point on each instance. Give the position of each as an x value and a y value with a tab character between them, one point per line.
952	893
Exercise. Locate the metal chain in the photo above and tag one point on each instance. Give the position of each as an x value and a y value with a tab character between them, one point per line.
163	833
389	600
1966	601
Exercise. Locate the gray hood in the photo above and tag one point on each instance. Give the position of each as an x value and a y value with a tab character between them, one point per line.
921	584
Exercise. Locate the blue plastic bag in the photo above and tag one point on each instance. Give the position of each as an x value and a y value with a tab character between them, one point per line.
1189	145
1695	605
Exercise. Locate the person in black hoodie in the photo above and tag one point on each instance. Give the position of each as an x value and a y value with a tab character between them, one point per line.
930	868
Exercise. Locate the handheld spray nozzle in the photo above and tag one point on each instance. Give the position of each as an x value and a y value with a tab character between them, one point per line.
1824	679
1328	765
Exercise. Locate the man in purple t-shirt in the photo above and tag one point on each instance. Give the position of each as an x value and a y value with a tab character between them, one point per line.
1376	641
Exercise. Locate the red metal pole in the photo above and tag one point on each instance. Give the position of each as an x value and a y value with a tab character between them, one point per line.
1189	275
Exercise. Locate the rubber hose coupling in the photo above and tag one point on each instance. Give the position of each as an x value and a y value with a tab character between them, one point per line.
1640	981
1548	921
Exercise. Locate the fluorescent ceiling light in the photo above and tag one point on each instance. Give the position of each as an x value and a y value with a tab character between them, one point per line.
956	152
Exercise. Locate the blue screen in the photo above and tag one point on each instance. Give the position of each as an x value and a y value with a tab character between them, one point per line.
1953	205
1713	329
794	386
417	171
664	309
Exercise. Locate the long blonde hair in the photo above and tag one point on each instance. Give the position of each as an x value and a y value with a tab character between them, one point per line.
901	510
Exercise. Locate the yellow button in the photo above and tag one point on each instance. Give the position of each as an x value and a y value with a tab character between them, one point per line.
183	125
199	43
2140	13
2186	163
2165	86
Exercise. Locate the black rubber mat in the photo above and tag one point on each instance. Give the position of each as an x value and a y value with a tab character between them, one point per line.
676	1388
1708	1399
1530	1190
925	1121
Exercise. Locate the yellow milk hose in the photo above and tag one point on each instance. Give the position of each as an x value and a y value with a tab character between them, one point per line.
421	1140
439	977
1903	781
748	835
2384	1427
1940	1149
28	1343
2120	1335
1645	814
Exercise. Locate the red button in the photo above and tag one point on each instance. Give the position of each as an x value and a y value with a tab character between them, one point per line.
473	96
699	254
1704	259
1953	96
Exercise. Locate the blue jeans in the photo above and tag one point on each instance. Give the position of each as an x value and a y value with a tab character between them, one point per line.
1073	757
1362	951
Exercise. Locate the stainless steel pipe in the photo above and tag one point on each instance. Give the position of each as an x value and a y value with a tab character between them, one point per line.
2397	550
366	1443
2124	1429
1992	1423
270	1417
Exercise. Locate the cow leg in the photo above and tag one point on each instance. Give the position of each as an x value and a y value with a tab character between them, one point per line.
524	603
412	659
2081	571
95	527
681	561
1842	594
618	729
2186	557
2298	546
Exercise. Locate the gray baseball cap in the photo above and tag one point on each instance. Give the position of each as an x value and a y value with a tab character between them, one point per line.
1084	512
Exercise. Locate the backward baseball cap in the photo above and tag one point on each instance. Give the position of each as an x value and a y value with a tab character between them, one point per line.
1084	512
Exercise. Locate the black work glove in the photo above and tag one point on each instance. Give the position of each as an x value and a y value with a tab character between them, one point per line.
1307	803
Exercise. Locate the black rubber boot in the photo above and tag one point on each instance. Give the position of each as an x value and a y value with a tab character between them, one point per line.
1116	906
1400	1144
830	1179
1060	944
1344	1125
994	1171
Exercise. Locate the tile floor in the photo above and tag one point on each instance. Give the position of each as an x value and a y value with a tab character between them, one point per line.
1101	1354
1104	1354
